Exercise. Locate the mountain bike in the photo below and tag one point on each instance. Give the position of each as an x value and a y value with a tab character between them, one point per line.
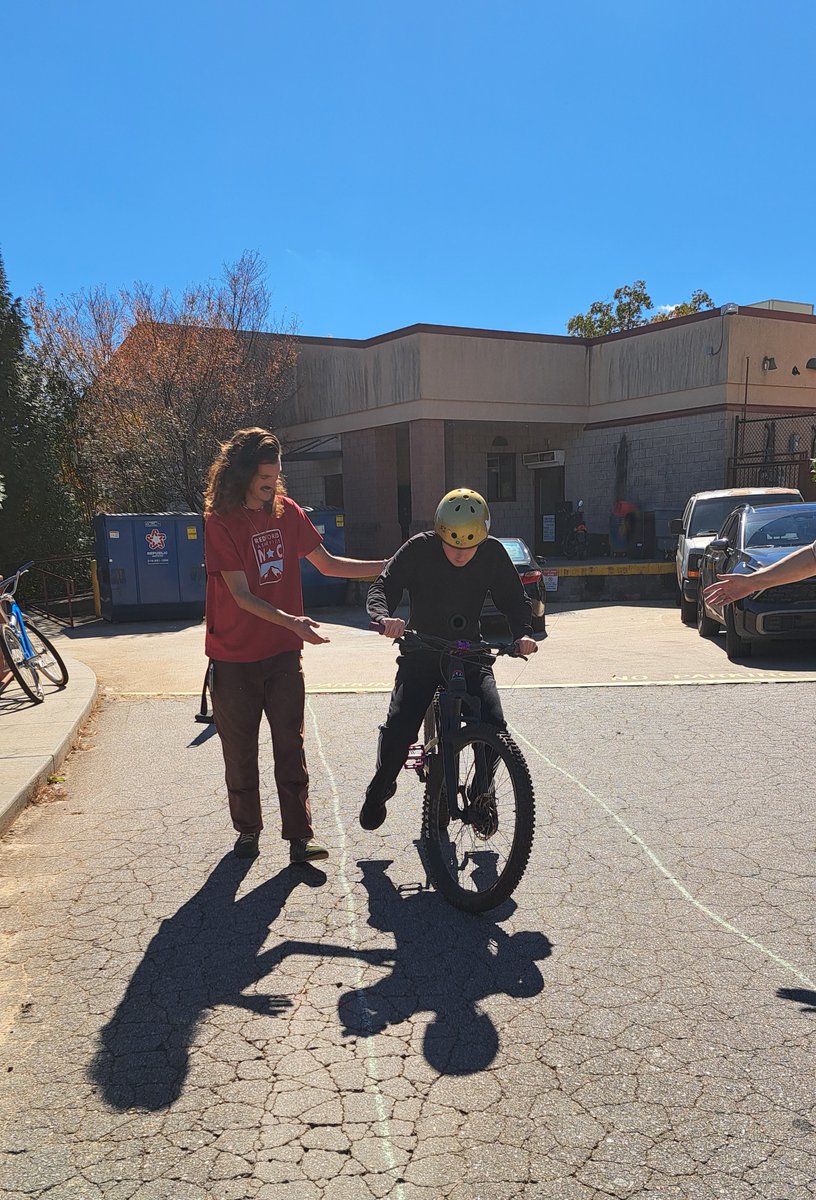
28	652
478	815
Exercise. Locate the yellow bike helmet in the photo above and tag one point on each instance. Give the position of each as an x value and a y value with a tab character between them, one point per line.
462	518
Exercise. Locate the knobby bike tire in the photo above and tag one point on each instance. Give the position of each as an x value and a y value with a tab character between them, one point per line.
429	725
435	821
55	669
15	658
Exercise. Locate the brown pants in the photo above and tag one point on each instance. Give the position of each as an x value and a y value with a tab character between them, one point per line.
241	693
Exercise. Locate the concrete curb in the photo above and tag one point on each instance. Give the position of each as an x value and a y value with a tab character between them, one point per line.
35	739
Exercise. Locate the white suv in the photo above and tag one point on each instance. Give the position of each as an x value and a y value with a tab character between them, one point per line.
700	523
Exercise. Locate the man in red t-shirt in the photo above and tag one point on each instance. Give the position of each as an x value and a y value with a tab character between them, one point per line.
254	539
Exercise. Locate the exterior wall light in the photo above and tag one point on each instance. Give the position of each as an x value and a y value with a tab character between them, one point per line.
811	364
768	363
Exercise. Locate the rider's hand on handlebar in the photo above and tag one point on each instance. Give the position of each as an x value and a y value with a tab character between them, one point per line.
392	627
525	646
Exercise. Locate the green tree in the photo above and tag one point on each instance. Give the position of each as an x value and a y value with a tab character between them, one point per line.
632	308
38	517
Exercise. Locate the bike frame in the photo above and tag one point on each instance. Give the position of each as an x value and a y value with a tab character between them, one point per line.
457	707
14	618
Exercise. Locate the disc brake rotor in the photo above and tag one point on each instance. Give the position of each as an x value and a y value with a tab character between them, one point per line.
484	815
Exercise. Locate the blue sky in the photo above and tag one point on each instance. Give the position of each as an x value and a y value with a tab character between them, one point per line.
458	162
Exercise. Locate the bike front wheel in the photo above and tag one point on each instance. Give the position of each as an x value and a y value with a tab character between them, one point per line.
50	662
478	862
25	674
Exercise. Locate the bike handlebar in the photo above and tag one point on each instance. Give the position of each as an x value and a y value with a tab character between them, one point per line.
5	584
458	648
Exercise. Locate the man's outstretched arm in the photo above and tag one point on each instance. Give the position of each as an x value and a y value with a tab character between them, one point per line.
728	588
344	568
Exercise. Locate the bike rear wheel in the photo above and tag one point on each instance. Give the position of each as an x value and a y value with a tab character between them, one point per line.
478	864
25	675
50	663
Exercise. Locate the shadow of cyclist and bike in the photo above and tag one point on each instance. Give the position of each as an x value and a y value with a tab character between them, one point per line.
209	954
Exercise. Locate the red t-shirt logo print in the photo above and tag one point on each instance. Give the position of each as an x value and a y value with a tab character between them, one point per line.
155	539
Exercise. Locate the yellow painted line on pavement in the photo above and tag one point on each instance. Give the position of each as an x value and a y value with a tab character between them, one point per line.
634	681
664	870
645	568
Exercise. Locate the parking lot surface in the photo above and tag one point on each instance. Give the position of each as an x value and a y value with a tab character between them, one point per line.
638	1022
588	644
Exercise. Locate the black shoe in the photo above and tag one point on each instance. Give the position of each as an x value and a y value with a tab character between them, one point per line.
373	813
247	845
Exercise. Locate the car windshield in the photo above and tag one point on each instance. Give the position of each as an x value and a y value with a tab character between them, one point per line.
708	516
516	549
788	530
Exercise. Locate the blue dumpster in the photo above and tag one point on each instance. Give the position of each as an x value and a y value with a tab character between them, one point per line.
321	591
150	565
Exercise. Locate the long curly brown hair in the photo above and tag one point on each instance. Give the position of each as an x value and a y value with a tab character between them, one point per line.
233	470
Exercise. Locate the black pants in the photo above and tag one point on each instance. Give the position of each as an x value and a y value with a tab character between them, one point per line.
418	677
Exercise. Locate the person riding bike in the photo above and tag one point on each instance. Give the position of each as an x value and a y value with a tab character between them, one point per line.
447	573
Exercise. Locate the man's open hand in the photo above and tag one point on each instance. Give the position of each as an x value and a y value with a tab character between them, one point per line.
729	588
305	628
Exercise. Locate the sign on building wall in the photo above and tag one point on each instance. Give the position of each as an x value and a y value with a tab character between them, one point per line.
550	578
548	528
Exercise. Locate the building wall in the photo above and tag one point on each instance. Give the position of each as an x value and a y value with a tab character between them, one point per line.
457	390
667	461
472	442
370	492
503	372
335	380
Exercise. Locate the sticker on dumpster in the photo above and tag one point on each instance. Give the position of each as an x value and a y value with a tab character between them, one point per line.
114	533
550	580
157	554
268	549
339	521
192	533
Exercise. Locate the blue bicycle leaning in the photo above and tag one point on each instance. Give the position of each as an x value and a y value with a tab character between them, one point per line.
28	653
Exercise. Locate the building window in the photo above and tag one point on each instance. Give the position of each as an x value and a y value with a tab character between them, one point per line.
333	490
501	477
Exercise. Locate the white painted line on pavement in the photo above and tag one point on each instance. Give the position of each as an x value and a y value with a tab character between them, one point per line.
360	989
664	870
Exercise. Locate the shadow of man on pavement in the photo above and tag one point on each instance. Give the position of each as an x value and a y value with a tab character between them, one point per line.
444	961
205	955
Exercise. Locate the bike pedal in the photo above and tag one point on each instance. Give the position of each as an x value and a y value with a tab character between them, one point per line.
416	759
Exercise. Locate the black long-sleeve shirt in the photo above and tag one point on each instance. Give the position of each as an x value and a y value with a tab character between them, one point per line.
446	600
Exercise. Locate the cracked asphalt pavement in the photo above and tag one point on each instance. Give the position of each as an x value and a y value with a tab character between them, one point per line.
638	1022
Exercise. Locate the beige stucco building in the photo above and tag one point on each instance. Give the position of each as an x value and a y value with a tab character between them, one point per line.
383	427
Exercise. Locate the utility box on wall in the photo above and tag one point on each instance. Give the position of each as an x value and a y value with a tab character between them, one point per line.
150	565
322	591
